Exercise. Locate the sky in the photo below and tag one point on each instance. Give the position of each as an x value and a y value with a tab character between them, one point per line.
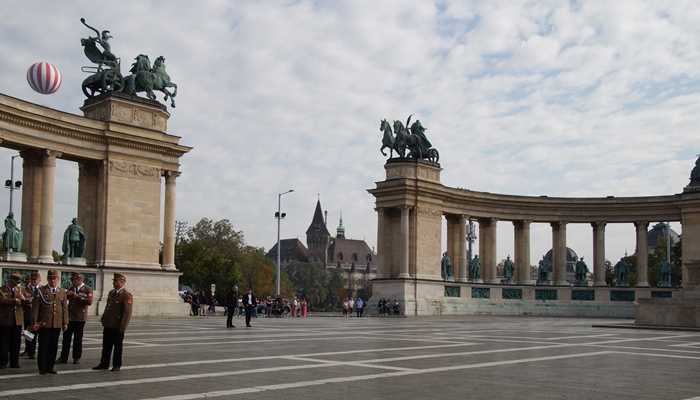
552	98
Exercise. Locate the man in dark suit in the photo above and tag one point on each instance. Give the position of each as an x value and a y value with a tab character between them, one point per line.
115	319
231	304
249	302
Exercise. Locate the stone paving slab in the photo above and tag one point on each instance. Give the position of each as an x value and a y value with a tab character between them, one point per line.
377	358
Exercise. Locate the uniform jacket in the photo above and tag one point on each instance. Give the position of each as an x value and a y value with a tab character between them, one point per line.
29	293
11	313
50	310
117	313
78	302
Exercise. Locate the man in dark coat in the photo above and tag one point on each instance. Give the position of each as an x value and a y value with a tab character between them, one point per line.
231	304
249	302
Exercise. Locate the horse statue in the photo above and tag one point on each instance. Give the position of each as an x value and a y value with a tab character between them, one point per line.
387	139
143	78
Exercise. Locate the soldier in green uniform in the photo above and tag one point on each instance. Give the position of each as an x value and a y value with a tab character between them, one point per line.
50	316
30	291
79	299
11	319
115	319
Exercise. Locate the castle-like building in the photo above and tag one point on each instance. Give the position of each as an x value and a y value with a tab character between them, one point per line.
352	256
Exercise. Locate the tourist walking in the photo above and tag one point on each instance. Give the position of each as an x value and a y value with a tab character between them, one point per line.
79	299
304	307
11	320
30	291
294	306
249	302
115	319
50	316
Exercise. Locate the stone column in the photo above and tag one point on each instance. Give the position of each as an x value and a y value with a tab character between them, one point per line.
488	247
599	253
404	247
642	253
381	254
169	221
28	168
461	234
47	200
559	253
522	252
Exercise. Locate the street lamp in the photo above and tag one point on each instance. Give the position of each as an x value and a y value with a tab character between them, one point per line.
11	184
471	238
279	215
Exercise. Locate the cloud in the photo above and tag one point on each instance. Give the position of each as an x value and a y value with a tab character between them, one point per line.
556	98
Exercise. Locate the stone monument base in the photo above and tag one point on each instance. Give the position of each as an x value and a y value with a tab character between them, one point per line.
427	297
683	311
14	256
155	291
74	261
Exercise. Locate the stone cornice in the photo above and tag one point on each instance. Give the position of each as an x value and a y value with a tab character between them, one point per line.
68	128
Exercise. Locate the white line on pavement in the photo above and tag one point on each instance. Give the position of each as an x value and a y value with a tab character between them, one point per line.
257	358
292	385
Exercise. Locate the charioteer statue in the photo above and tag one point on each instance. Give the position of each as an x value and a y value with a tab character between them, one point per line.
106	76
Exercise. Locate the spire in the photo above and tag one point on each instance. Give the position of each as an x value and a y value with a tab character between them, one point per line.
318	223
340	232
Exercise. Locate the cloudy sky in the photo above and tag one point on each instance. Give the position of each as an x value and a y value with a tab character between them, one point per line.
559	98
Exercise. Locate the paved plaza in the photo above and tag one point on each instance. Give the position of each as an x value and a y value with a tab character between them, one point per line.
376	358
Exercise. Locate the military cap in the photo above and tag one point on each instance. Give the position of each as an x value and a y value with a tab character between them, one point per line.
15	277
119	277
52	274
35	274
74	275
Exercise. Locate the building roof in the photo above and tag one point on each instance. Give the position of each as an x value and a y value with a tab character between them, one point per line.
292	249
658	232
318	223
348	247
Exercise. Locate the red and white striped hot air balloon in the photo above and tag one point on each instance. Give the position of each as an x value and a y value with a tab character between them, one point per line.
44	78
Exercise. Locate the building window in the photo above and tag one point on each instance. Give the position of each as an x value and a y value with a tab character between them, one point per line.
354	256
340	256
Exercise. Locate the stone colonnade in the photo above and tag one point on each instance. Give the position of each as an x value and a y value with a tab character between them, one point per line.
39	170
396	264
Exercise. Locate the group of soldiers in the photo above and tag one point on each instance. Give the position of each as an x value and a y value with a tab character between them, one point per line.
41	312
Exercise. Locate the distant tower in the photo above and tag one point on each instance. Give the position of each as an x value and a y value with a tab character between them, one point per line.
317	236
340	232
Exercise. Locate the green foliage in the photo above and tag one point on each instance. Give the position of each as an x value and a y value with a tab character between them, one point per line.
323	288
214	252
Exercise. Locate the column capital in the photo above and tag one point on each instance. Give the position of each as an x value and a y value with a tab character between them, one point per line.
598	224
641	224
171	174
522	223
487	220
557	224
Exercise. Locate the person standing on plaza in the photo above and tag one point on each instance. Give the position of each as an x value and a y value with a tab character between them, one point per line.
359	306
30	291
50	316
79	299
115	319
293	306
11	319
249	302
231	306
304	307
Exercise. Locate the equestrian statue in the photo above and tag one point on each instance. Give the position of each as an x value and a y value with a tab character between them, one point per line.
407	141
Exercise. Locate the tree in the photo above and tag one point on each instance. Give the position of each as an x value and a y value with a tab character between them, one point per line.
659	255
320	286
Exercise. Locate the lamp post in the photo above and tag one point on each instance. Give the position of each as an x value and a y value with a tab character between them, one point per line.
471	238
10	184
279	215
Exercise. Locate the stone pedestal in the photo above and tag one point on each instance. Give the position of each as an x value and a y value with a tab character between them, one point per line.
13	256
74	261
